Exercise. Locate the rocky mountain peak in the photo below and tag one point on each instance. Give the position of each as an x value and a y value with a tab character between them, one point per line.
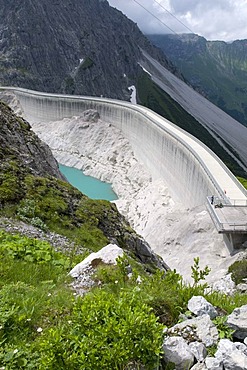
77	47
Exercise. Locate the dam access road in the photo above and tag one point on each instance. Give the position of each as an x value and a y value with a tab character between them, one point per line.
192	171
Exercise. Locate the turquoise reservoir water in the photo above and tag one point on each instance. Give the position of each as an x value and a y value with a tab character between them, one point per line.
88	185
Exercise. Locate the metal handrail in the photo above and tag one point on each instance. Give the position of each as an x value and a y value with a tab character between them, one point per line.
215	203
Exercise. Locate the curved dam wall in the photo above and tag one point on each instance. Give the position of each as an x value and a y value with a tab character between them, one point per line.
164	149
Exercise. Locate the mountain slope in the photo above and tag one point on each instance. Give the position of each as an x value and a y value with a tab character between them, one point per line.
32	190
229	133
90	48
218	70
80	47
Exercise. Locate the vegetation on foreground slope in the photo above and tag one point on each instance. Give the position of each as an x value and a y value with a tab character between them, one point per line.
43	324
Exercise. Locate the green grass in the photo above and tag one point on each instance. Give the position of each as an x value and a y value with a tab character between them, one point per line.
243	181
43	325
120	322
54	205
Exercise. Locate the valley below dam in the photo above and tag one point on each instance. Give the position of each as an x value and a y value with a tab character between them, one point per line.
176	232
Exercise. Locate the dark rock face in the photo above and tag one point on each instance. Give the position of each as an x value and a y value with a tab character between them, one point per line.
20	144
216	69
76	47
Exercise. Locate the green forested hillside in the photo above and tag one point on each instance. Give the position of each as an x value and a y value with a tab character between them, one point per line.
218	70
151	96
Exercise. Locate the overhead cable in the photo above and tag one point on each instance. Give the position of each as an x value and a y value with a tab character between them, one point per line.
164	24
173	15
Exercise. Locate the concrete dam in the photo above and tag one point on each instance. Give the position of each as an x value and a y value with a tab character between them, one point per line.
192	171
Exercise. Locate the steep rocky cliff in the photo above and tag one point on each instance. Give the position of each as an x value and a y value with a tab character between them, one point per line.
79	47
19	144
218	70
32	190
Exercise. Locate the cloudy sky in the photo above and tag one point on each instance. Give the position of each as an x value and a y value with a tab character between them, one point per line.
213	19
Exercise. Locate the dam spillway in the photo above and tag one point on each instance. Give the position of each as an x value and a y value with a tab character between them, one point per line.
191	170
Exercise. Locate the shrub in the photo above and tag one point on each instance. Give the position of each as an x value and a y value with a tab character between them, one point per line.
239	271
104	331
31	250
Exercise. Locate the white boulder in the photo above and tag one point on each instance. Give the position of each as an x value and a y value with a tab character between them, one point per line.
199	350
199	329
213	363
177	351
237	320
200	306
107	255
231	356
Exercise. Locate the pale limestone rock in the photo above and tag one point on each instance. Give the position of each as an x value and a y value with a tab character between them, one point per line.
200	329
237	320
225	285
232	355
241	347
236	360
213	363
242	288
199	366
176	350
199	350
107	255
224	346
200	306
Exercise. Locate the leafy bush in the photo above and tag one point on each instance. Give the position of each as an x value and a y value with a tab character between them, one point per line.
239	271
225	332
103	332
31	250
197	274
27	212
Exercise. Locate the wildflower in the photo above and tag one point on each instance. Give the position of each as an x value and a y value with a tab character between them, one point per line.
138	280
15	351
49	294
116	281
39	330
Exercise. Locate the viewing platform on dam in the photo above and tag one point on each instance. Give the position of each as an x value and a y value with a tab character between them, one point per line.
230	218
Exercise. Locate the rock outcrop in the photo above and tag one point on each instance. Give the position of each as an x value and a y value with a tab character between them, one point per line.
186	345
79	47
20	144
238	321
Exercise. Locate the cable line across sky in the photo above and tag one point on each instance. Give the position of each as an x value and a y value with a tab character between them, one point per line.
160	20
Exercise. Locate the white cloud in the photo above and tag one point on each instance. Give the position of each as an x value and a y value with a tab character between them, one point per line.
213	19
